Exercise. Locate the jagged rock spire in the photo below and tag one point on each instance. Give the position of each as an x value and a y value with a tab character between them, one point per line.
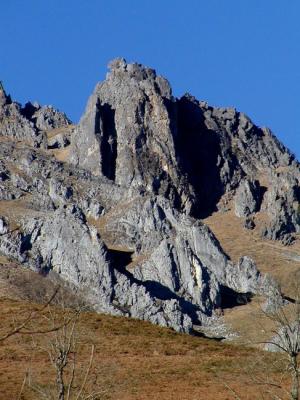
127	133
4	98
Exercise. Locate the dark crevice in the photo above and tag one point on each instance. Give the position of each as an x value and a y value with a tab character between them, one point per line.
120	259
107	136
4	176
199	151
297	192
54	146
196	333
289	299
261	195
26	244
230	298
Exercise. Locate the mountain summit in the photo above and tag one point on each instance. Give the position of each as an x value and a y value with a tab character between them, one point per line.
116	206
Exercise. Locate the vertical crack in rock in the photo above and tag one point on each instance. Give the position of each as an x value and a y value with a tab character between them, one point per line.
106	134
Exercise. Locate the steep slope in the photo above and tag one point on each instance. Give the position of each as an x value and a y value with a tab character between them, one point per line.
119	218
132	360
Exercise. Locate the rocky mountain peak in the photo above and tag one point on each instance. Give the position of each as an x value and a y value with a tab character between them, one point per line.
136	134
117	205
134	73
128	131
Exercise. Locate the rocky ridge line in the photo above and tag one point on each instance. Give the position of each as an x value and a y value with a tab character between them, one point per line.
121	218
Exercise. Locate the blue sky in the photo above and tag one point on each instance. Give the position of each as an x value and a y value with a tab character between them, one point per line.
241	53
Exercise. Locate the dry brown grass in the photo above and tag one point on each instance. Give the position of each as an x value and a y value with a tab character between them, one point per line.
109	236
17	209
54	132
133	360
61	155
271	257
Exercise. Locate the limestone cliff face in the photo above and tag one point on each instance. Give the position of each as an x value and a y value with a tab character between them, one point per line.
128	133
137	135
114	205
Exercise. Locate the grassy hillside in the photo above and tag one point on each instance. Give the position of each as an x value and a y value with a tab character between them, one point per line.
281	262
133	359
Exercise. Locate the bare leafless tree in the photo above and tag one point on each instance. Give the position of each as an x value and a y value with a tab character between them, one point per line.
286	339
278	365
25	326
61	346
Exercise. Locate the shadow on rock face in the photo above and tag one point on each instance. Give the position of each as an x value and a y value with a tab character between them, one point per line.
105	123
199	152
120	259
164	293
231	298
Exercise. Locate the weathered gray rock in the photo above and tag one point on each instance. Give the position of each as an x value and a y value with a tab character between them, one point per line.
121	220
3	226
247	198
282	202
28	123
14	125
181	149
59	140
174	253
132	142
58	192
64	244
11	246
47	118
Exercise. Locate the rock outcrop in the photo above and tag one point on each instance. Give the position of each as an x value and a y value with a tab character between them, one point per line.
182	149
247	198
283	206
128	133
29	123
120	218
